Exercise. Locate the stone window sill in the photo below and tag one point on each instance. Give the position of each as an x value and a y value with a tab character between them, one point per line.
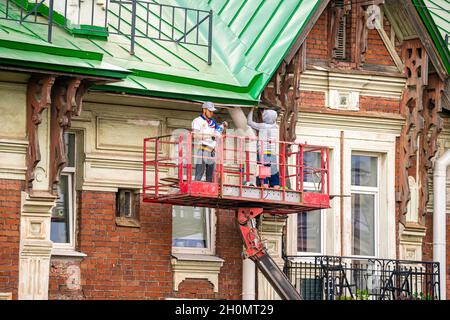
5	296
127	222
196	266
58	252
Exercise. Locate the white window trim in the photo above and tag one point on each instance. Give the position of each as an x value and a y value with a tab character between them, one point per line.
211	237
328	226
311	185
68	249
368	190
292	219
360	135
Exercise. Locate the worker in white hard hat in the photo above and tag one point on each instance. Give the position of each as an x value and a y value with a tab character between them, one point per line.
205	129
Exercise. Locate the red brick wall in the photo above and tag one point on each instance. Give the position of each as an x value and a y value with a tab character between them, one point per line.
64	282
134	263
317	40
9	235
376	49
317	46
229	248
123	262
312	99
378	104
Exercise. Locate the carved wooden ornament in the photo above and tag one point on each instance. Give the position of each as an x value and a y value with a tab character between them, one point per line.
38	99
283	91
67	100
416	71
433	125
421	105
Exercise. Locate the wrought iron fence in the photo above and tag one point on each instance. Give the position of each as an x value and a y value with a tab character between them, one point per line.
349	278
64	13
130	18
144	19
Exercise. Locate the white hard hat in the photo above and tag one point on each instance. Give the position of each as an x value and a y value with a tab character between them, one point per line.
209	105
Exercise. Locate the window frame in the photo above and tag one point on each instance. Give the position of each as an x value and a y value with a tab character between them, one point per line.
322	237
307	186
210	236
70	172
122	220
376	191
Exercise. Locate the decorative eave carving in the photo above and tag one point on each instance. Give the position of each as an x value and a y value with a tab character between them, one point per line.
67	98
38	99
416	71
283	91
433	125
421	105
63	97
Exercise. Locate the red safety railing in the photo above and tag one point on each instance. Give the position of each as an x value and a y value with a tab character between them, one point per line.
244	170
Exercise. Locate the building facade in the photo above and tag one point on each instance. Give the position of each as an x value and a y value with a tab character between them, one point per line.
369	80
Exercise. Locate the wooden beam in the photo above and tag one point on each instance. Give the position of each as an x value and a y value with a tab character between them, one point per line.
397	30
446	96
391	48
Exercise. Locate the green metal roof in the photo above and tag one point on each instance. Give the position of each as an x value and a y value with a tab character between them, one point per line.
250	39
436	16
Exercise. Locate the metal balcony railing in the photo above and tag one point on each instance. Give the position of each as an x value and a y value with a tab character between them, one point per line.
349	278
130	18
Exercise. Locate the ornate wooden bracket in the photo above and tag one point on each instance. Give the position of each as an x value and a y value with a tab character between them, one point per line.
421	104
416	71
283	91
67	97
38	99
433	125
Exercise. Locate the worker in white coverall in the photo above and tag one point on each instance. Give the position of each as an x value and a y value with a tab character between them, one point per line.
268	133
205	130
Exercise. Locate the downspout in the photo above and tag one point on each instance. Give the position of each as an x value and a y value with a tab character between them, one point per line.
248	266
248	280
439	217
341	209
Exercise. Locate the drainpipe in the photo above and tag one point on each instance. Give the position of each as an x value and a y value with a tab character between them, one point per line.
248	280
248	266
439	217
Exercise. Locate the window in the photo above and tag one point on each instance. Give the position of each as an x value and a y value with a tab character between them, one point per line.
192	229
62	231
126	208
365	193
309	232
309	224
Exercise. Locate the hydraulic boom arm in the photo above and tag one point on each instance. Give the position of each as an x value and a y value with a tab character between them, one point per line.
255	251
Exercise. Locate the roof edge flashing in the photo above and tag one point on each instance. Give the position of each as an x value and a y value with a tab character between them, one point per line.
197	82
54	50
104	73
172	95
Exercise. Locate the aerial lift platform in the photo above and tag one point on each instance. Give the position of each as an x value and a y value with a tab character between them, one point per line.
169	177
